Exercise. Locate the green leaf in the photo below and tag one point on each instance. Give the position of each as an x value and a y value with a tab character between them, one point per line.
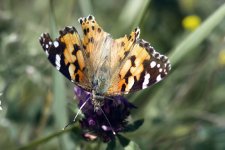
132	146
111	145
134	126
127	144
123	140
59	104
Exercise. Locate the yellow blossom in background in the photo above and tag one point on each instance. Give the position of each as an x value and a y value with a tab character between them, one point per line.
191	22
222	57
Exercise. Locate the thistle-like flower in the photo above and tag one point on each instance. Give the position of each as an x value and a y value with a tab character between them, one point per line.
103	124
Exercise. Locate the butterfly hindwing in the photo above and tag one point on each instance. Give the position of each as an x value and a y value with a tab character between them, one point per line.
65	53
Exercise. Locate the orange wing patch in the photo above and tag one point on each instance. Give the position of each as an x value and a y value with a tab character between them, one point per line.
126	43
93	34
73	56
133	67
65	53
130	71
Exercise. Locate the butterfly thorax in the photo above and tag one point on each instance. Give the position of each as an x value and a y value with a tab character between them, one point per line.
99	87
101	67
100	80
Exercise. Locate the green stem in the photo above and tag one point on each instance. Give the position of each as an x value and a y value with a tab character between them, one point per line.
36	143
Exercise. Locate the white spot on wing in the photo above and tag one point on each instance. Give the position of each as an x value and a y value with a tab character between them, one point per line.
57	67
160	69
58	58
159	78
153	63
158	65
146	81
57	61
56	44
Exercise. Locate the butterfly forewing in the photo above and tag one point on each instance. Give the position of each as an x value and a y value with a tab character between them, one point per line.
142	68
66	54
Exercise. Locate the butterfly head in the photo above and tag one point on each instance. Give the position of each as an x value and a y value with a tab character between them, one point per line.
97	100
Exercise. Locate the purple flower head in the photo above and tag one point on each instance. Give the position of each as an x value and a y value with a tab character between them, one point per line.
94	124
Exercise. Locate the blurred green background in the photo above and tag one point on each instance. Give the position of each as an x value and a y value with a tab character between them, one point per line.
185	111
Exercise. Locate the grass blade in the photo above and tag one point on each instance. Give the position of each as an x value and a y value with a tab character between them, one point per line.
59	105
195	38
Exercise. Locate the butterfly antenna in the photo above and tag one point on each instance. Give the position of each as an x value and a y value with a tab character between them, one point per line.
79	111
107	121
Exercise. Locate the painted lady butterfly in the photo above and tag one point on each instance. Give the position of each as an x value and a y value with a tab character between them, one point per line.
104	66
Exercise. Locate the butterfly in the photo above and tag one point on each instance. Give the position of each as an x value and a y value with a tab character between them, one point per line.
102	65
